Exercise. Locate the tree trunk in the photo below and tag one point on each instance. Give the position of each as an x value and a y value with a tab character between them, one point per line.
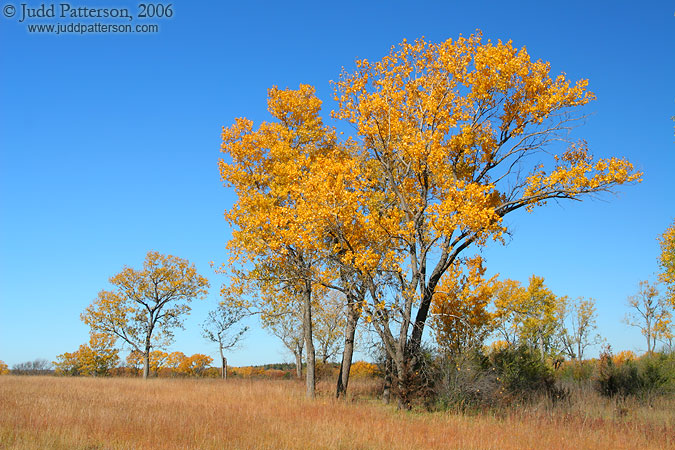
309	344
298	361
386	394
348	352
541	344
146	363
224	368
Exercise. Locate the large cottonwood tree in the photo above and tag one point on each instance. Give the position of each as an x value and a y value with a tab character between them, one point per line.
463	134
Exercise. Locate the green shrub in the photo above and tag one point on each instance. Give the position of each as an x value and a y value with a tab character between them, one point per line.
657	372
523	373
646	377
509	375
578	372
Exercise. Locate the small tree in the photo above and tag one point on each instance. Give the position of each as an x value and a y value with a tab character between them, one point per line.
329	324
4	370
530	316
288	326
578	335
96	358
195	365
217	328
147	304
460	316
174	361
650	313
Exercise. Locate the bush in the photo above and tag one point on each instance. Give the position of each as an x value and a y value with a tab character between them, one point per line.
524	374
577	371
362	369
656	373
505	376
466	382
645	377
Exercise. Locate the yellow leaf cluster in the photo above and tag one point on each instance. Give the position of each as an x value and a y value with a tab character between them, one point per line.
460	315
96	358
667	261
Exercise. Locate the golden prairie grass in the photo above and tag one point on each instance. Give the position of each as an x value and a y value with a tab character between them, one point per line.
123	413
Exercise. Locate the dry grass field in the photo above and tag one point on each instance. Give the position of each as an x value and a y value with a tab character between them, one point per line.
123	413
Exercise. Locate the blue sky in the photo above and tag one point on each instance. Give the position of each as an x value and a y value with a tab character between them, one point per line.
109	146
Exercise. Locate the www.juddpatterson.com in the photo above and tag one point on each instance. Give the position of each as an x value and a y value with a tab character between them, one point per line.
88	28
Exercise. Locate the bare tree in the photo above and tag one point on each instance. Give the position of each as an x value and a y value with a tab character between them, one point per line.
649	312
288	326
218	328
39	366
329	325
578	335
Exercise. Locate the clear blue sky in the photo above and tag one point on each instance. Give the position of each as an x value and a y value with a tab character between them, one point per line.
109	146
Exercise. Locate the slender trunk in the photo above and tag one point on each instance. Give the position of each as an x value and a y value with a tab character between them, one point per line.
298	361
223	360
146	363
348	352
541	344
309	344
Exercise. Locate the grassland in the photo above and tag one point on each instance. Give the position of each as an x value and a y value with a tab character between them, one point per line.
124	413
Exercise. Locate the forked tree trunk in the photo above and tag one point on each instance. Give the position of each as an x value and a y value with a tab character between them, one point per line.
348	352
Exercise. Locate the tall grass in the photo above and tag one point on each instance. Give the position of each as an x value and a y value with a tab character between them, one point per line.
122	413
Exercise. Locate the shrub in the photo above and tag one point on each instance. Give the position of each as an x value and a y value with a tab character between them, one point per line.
623	356
466	382
577	371
362	369
523	373
657	373
505	376
644	377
